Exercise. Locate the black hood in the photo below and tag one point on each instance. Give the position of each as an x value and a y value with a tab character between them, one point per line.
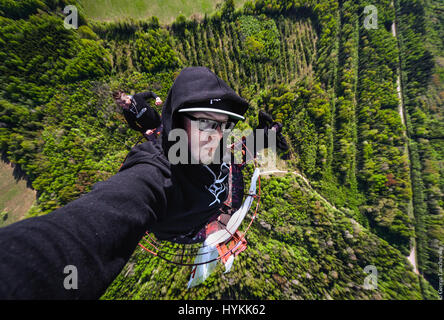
198	86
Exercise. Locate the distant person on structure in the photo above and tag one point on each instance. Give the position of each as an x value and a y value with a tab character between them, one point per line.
138	113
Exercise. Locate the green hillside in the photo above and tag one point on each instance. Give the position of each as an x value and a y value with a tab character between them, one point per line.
301	248
361	109
165	10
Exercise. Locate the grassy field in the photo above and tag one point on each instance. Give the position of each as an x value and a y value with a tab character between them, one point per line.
165	10
15	197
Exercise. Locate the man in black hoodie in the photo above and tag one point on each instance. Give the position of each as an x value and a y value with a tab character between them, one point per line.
96	234
136	110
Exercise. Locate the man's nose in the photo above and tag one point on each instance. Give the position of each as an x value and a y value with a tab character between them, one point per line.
214	135
219	131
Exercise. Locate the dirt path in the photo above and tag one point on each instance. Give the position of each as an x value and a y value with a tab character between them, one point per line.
413	256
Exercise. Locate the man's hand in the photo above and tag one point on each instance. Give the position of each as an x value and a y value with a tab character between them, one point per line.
158	101
265	120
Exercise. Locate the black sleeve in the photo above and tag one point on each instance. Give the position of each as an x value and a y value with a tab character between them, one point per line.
97	233
146	95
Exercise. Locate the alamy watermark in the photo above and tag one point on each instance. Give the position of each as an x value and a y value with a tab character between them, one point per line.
371	20
371	281
214	147
72	19
71	280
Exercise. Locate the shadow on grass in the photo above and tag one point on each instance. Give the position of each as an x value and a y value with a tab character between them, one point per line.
18	173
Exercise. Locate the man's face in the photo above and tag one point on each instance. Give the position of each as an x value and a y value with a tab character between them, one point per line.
203	144
124	100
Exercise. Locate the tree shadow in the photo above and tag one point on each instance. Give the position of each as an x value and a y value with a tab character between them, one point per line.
18	173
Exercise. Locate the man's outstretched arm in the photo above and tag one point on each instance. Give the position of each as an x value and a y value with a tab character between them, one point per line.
90	238
147	95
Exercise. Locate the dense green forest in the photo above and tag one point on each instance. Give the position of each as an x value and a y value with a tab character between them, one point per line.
361	108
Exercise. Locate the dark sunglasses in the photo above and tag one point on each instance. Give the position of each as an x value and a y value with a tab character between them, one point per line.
211	125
